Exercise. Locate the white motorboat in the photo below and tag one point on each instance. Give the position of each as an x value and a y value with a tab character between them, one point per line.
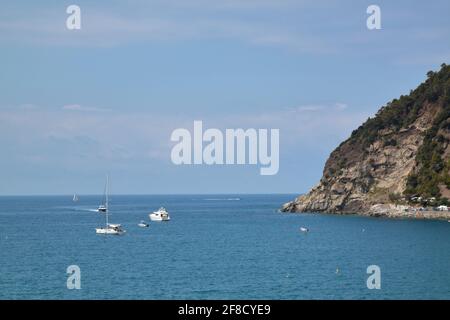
143	224
109	228
304	229
160	215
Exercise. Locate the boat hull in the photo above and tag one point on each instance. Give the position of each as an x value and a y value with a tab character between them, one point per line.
157	217
109	231
142	225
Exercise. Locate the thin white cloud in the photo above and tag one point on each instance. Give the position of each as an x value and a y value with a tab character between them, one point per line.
235	4
309	108
340	106
77	107
319	107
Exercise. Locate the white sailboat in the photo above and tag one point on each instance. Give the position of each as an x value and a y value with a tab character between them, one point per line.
75	197
104	206
114	229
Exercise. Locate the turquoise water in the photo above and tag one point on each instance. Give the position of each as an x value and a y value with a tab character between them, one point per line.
215	247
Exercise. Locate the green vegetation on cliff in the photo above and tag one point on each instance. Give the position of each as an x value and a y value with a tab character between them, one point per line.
402	112
432	162
433	166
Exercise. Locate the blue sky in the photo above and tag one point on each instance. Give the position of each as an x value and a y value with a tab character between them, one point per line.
77	104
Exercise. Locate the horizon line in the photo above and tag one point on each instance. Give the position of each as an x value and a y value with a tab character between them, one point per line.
145	194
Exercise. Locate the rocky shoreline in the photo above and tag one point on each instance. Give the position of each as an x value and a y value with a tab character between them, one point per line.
383	210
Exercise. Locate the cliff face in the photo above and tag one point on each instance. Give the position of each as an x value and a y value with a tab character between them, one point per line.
390	157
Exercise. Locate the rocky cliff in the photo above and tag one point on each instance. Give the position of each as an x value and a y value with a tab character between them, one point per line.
402	152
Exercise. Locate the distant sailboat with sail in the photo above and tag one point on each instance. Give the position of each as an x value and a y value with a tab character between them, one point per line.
114	229
75	197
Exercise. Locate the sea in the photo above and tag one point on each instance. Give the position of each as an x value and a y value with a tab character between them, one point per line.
215	247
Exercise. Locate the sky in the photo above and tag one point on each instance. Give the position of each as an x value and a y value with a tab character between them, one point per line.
77	104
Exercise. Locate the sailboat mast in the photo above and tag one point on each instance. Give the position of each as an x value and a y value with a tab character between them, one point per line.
106	191
106	199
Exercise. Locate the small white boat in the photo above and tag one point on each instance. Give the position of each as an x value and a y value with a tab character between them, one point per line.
75	197
160	215
304	229
114	229
143	224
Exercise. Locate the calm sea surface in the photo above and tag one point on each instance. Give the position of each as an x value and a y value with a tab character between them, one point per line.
215	247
